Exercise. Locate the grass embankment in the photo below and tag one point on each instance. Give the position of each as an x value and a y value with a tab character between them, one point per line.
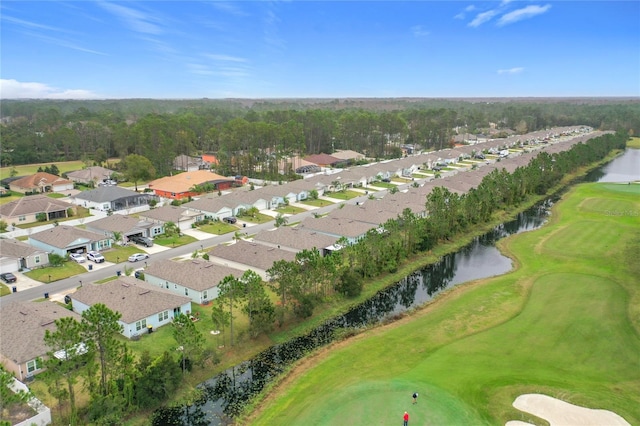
565	322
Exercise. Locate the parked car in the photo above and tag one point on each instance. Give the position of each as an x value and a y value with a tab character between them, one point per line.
95	257
387	180
229	219
77	257
143	241
138	256
8	277
479	156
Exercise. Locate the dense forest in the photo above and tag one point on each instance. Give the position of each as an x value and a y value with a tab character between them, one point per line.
250	137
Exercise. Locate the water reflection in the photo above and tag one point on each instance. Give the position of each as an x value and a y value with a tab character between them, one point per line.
625	168
227	393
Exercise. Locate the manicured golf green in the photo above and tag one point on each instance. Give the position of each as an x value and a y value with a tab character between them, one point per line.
565	322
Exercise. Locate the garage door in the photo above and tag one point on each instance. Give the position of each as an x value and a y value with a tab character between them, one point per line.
9	265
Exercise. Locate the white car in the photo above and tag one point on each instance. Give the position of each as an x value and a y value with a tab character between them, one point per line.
95	256
138	256
77	257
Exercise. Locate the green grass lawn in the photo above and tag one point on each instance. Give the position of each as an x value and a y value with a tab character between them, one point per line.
317	203
633	143
174	241
55	273
218	228
344	195
4	290
565	322
119	254
256	218
290	210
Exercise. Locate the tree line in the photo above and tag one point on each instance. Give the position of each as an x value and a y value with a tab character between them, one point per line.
252	138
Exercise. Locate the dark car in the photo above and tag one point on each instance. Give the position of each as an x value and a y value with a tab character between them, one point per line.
143	241
8	277
229	219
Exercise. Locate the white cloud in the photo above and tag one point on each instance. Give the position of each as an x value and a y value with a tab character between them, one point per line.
419	31
13	89
227	58
524	13
515	70
31	25
136	20
462	14
483	17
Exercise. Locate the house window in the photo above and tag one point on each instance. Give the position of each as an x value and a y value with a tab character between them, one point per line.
166	284
141	324
175	286
33	365
186	291
36	259
162	316
21	218
204	295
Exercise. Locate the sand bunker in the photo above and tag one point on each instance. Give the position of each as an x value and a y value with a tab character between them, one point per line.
560	413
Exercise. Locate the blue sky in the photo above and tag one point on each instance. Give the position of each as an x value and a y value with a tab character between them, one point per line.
326	49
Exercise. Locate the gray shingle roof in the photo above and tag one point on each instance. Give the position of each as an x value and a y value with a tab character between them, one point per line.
33	204
252	254
62	236
168	213
336	226
133	298
17	249
197	275
296	238
23	327
119	223
105	194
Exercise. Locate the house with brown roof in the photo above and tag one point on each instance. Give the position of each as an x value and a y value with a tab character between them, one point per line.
324	160
64	239
39	183
195	278
16	255
348	155
143	306
93	174
22	329
26	209
296	239
182	185
181	217
246	255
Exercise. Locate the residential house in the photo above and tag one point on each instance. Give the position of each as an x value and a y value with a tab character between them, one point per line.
126	226
246	255
22	328
41	182
183	218
295	239
348	155
64	239
90	175
210	159
26	209
16	255
352	230
197	278
143	307
187	163
113	198
324	160
212	207
183	185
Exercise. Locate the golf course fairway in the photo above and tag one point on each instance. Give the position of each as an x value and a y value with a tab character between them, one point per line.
564	323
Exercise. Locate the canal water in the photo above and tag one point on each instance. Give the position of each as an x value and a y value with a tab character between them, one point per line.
225	395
